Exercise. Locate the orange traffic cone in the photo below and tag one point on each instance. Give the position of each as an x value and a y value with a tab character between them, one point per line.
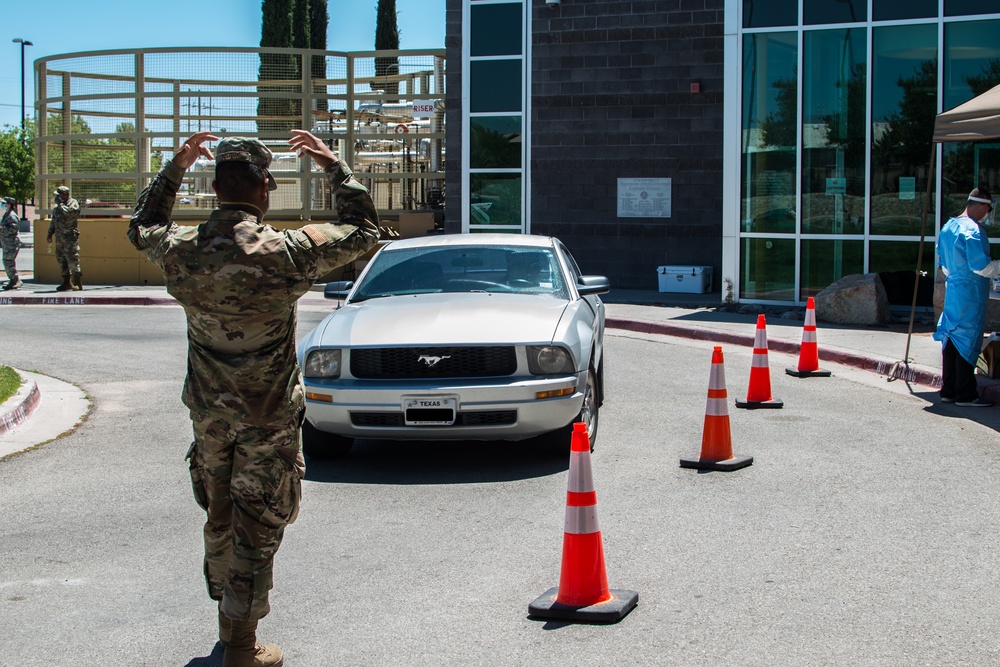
716	440
583	592
809	350
759	392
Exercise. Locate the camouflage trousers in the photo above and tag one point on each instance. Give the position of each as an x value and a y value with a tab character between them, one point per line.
68	253
10	250
247	478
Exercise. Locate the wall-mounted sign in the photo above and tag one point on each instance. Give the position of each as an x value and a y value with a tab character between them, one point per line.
907	187
644	197
836	186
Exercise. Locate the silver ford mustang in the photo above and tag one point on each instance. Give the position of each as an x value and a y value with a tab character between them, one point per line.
457	337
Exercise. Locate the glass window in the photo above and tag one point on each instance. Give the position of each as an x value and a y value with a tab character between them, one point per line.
969	7
495	86
496	30
495	199
971	60
891	10
768	269
834	11
833	132
768	13
825	261
904	103
770	95
971	67
495	142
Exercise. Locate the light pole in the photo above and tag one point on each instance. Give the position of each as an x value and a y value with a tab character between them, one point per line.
23	43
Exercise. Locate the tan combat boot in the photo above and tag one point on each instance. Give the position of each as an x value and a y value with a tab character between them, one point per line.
76	282
244	651
65	285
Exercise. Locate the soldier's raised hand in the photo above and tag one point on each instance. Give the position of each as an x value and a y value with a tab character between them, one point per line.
192	149
306	143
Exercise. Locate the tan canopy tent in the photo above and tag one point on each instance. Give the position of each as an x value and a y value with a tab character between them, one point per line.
977	119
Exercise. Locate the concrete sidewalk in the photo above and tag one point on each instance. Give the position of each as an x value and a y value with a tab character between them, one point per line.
695	316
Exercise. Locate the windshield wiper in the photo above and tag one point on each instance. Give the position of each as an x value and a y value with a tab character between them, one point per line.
373	296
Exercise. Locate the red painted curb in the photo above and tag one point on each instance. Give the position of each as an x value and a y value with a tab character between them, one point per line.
17	416
881	367
86	301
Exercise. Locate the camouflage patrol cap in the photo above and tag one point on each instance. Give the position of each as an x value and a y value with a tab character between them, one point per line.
242	149
61	190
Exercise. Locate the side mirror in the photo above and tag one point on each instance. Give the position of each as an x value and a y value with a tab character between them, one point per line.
586	285
338	289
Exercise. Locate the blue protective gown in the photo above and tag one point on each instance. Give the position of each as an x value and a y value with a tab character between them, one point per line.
962	248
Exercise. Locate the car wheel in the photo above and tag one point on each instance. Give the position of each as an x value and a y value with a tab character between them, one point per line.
558	442
318	444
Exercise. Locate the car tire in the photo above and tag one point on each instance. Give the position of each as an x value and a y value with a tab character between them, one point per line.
318	444
559	441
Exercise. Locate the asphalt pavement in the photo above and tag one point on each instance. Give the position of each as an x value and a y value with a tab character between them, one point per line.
892	351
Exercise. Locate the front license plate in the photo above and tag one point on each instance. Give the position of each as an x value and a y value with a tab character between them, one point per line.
429	410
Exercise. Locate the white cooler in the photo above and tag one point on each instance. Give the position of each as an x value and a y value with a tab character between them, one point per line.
692	279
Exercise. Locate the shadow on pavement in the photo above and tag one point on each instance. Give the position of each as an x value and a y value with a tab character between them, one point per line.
988	417
435	462
213	659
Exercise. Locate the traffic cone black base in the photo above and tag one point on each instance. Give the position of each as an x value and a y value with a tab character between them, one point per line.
818	373
753	405
610	611
728	465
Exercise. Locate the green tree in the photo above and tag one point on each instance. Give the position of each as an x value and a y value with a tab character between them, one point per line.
319	21
276	31
17	162
387	39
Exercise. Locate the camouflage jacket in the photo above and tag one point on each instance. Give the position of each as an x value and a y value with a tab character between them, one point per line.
9	227
238	281
64	219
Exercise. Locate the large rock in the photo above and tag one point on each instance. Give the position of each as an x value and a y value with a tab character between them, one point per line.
856	299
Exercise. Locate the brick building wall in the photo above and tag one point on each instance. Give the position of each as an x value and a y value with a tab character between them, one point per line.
610	99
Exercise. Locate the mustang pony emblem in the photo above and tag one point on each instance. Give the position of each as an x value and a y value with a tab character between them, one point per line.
432	361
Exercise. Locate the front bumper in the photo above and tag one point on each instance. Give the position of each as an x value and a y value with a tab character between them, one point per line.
486	410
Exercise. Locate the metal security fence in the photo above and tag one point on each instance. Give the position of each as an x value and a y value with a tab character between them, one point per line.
107	121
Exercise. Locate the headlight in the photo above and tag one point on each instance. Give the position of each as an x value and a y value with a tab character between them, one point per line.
322	364
549	360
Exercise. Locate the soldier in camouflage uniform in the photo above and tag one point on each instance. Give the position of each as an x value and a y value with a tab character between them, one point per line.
238	281
67	235
10	243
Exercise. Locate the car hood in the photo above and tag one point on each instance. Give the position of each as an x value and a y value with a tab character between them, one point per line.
445	319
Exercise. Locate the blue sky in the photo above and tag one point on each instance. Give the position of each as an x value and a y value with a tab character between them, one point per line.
69	27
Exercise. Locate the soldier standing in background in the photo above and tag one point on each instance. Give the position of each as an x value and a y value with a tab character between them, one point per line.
67	234
238	281
10	242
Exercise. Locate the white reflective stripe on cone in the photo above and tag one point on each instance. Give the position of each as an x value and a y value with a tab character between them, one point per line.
759	359
581	477
810	317
716	407
717	379
808	336
581	520
760	339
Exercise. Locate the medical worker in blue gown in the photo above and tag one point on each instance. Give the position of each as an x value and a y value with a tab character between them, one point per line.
964	256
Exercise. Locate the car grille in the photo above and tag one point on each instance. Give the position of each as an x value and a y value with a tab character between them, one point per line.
494	418
390	363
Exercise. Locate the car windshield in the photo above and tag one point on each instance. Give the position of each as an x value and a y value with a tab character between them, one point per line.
453	269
